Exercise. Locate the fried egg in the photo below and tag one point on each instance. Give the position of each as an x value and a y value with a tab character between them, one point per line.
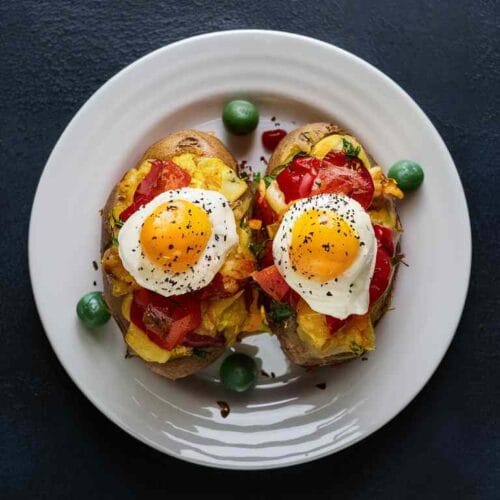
177	242
325	249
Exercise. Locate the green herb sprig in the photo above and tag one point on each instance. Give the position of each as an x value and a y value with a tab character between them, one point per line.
349	149
257	248
281	312
268	179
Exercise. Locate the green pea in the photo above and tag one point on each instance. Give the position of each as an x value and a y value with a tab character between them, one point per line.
238	372
240	117
408	174
92	310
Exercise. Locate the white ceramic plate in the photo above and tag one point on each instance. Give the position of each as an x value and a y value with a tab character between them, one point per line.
285	420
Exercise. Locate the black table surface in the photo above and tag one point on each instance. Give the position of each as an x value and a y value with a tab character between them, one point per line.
55	54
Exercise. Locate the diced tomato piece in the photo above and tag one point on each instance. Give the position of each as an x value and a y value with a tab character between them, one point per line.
296	180
169	318
384	236
217	288
334	324
267	255
196	340
263	211
292	298
163	176
271	281
381	275
383	265
271	138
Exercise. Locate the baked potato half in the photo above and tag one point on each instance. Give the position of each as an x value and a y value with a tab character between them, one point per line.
210	166
305	335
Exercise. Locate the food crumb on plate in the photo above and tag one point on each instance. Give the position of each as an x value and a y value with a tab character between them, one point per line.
224	408
321	386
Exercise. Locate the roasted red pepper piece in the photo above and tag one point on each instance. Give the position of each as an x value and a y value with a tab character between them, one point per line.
347	175
149	184
163	176
165	320
271	281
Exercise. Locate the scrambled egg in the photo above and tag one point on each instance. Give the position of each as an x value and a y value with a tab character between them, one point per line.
122	282
240	262
231	317
384	186
211	173
355	337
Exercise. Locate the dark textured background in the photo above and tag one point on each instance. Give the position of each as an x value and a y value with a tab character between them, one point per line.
54	55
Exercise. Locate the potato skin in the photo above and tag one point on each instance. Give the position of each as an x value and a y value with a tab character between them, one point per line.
303	137
296	350
189	141
184	141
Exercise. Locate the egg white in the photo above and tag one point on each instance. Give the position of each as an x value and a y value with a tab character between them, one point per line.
167	283
349	292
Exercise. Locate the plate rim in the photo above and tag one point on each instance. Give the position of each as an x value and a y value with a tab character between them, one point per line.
114	416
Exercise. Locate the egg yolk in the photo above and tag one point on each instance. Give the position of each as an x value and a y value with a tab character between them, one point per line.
323	245
175	234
